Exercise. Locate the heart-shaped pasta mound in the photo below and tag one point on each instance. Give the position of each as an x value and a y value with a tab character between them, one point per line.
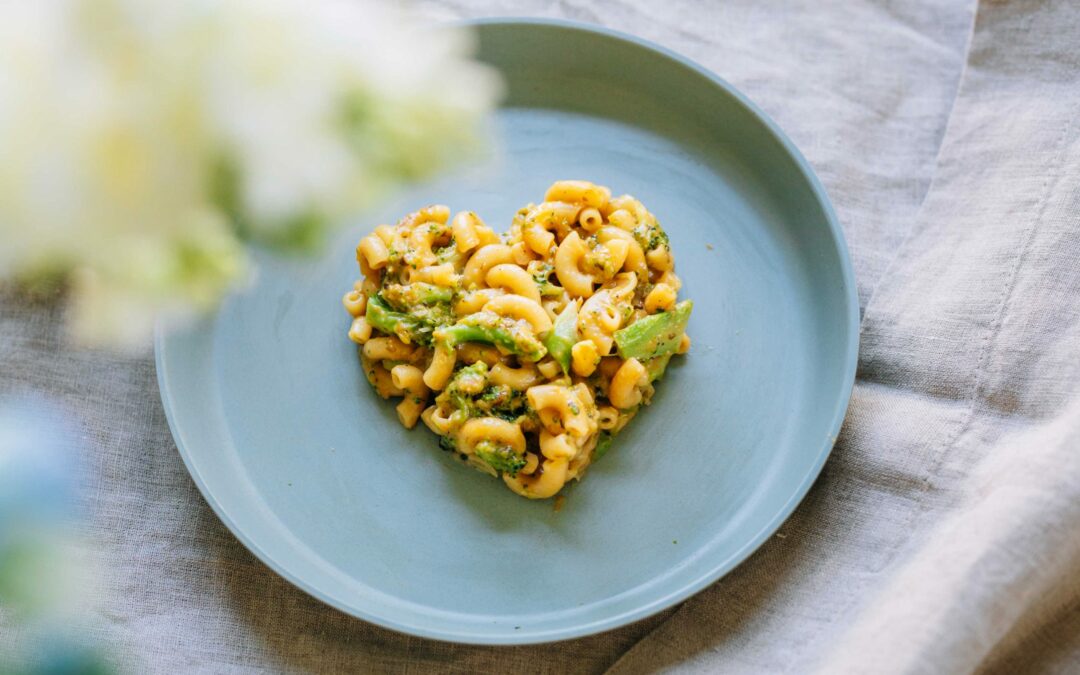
527	352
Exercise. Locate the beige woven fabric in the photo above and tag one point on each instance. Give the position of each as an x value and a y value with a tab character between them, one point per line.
944	533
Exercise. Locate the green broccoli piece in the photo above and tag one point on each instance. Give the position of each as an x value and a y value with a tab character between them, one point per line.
464	386
560	340
447	443
380	316
542	278
499	400
418	293
502	458
486	327
603	444
654	335
656	367
651	236
419	323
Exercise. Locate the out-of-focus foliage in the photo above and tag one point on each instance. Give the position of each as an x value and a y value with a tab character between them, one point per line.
142	142
44	575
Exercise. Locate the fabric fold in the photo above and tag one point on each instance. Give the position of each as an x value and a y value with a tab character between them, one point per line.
960	458
944	532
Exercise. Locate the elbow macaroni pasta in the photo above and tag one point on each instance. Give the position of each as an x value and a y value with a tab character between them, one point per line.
516	349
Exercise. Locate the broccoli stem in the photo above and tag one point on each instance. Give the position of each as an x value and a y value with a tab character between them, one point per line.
655	335
494	335
562	336
430	293
381	317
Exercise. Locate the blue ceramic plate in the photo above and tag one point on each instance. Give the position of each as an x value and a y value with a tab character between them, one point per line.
314	474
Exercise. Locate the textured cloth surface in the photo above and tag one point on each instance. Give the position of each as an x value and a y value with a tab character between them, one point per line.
944	532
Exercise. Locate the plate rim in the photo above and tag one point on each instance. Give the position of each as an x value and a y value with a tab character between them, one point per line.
693	586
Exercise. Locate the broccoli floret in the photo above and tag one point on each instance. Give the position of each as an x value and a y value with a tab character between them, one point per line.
447	443
470	380
470	395
501	401
465	385
659	238
651	236
502	458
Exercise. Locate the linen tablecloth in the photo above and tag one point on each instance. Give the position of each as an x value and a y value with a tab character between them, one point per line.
944	532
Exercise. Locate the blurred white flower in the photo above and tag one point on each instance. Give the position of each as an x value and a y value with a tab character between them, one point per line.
143	141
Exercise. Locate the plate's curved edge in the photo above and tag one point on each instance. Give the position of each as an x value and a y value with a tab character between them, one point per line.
713	575
160	348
